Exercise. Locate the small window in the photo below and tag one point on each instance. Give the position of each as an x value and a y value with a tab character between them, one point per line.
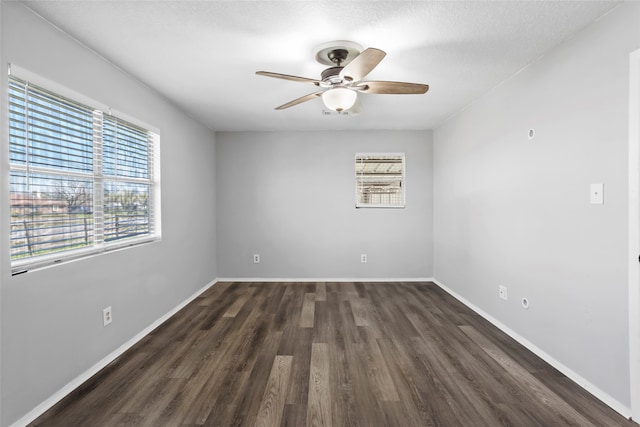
81	180
380	180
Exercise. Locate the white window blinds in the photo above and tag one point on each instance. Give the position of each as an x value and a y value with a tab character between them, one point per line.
380	180
126	186
79	179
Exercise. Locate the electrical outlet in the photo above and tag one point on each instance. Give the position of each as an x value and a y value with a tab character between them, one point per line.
107	318
502	292
256	258
363	258
597	194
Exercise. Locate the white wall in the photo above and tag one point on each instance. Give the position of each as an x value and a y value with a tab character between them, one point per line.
515	212
290	197
51	319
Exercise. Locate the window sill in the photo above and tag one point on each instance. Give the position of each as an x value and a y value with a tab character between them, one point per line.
48	261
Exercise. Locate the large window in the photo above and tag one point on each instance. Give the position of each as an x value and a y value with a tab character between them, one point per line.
81	180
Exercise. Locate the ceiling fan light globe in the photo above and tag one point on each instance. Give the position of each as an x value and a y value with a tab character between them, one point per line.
339	98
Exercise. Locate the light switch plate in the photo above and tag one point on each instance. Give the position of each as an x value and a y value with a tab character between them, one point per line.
597	194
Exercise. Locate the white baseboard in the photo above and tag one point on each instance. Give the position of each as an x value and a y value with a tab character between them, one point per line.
322	279
76	382
568	372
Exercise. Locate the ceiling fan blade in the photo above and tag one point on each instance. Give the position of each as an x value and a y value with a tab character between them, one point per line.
383	87
362	64
300	100
288	77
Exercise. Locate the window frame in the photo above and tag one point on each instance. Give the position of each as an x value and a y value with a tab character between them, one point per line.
98	244
403	180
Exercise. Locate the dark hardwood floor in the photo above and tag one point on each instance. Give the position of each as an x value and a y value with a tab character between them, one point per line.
328	354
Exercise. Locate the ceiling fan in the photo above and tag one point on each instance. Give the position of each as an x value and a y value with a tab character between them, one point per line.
342	81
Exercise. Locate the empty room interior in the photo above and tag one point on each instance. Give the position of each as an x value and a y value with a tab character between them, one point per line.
320	213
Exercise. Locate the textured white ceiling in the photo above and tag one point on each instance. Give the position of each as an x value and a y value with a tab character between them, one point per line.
203	54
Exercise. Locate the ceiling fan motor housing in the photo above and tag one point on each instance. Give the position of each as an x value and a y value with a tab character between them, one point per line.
331	76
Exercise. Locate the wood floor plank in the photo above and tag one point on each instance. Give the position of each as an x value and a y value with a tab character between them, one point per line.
347	290
273	400
465	359
457	373
415	389
319	406
329	330
214	293
217	371
239	303
366	403
328	353
322	329
538	390
321	291
294	415
161	406
308	307
291	299
377	371
359	310
350	330
198	349
248	396
299	381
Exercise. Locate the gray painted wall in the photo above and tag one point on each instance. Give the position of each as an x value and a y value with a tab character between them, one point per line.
515	212
290	197
52	319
